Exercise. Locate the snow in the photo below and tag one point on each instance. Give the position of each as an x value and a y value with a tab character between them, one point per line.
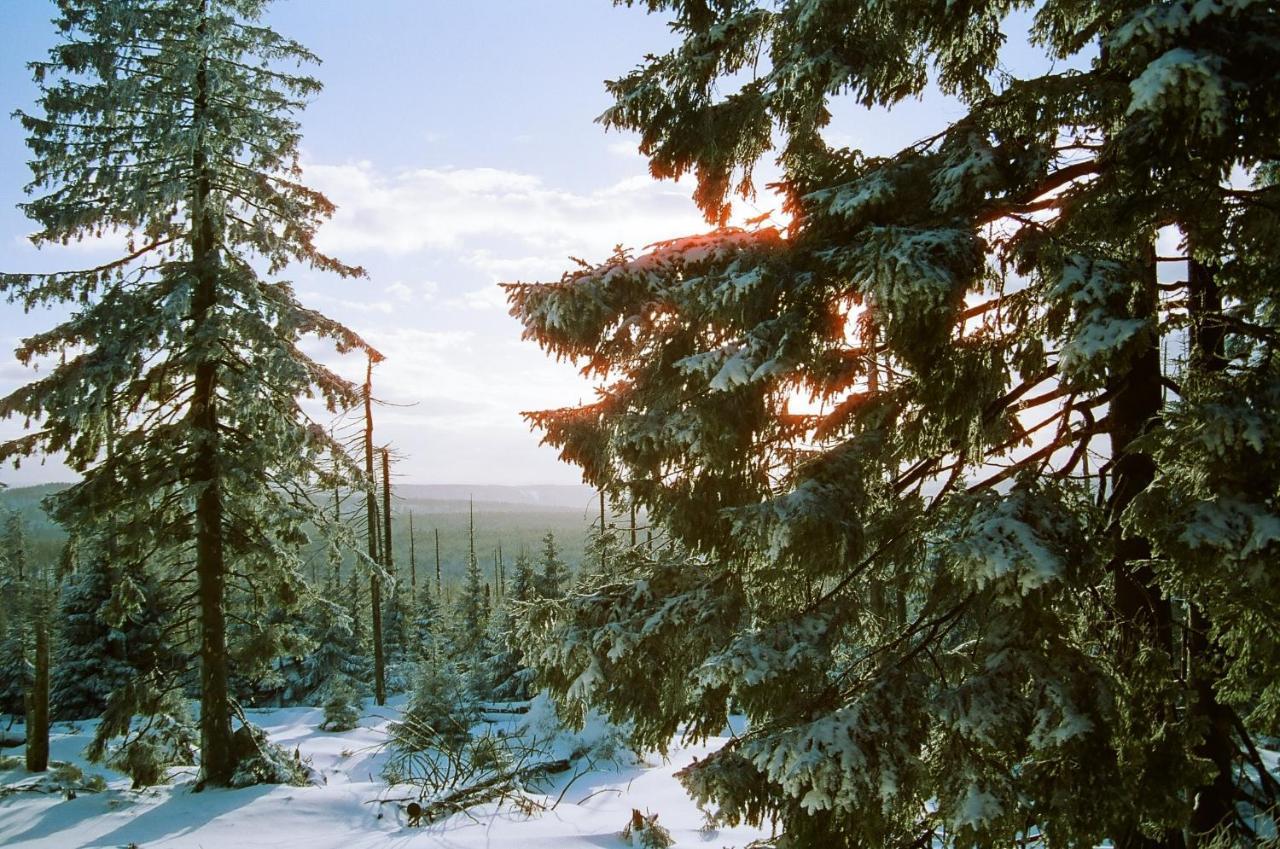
998	543
344	812
1093	287
977	807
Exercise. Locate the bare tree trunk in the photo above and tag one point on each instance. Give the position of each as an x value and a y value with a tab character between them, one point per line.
371	511
413	562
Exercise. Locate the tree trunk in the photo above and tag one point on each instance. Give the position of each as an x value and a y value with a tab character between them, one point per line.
38	701
602	526
217	761
1215	800
371	510
413	563
439	595
388	557
1143	613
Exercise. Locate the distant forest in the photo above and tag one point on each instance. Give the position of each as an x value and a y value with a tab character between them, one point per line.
513	518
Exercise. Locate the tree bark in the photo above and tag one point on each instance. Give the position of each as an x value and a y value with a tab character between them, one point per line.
1135	408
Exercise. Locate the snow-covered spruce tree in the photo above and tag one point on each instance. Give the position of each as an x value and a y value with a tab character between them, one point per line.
427	628
169	123
524	581
336	654
470	619
112	628
553	574
397	629
15	660
503	676
1006	574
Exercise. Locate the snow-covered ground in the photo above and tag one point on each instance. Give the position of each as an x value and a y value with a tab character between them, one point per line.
345	812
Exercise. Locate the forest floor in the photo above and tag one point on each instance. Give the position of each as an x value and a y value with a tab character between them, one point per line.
351	805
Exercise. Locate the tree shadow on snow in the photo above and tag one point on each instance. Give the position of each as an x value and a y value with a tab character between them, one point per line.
183	812
178	814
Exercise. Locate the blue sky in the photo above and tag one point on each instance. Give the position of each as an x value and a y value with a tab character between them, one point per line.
458	141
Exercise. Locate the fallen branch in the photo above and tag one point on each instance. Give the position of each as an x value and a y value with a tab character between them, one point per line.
496	787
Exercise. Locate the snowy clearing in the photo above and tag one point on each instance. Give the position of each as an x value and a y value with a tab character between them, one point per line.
345	812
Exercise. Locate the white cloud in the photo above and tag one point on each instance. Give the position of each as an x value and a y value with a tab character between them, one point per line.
485	298
489	209
339	306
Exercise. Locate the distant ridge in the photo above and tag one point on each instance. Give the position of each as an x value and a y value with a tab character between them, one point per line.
548	496
496	497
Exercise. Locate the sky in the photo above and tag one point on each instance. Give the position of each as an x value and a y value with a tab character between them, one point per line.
458	141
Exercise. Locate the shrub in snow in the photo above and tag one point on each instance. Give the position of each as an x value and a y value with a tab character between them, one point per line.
159	736
643	831
597	739
342	708
259	761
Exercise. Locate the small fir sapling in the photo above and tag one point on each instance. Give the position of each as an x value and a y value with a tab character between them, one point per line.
343	705
440	712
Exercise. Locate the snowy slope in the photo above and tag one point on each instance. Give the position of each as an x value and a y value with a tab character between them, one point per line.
345	812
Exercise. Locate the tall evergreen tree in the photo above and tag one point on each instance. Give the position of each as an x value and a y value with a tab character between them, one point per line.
170	123
471	618
1008	575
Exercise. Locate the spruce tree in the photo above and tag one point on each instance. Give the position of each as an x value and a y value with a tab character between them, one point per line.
427	627
471	616
113	628
15	658
397	628
337	659
1007	575
170	123
552	572
524	581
